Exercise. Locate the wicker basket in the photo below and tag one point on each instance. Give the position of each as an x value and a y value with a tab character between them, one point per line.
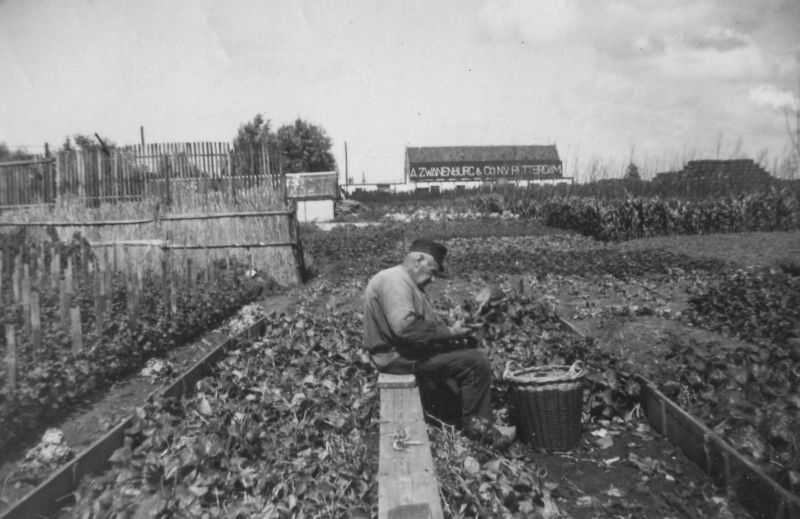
550	404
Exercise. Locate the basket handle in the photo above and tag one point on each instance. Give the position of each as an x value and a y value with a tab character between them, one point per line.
576	368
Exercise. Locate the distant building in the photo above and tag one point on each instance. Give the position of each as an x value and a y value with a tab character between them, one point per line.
466	167
386	187
716	176
314	193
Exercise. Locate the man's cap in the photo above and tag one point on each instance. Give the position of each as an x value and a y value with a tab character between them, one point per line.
435	249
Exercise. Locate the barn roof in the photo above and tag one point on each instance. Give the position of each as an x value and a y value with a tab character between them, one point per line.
450	154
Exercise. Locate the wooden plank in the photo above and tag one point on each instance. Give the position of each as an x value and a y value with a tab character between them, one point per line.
36	325
406	478
389	381
103	223
76	330
761	495
44	500
11	360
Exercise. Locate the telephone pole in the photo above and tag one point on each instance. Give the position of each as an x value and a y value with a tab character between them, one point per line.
346	173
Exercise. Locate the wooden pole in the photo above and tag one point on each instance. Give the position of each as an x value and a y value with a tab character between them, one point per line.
68	275
189	275
40	280
16	279
99	307
77	333
36	324
165	279
55	268
1	279
64	303
26	298
11	360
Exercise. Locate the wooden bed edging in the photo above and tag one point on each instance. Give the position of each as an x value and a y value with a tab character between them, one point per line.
407	483
45	499
758	493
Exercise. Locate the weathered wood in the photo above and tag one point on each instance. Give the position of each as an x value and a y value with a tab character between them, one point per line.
11	359
99	302
36	324
761	495
68	275
76	330
388	381
407	485
16	279
46	499
55	269
26	298
63	303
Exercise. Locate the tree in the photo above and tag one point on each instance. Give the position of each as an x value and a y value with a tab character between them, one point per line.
255	132
632	172
305	147
86	142
6	154
248	146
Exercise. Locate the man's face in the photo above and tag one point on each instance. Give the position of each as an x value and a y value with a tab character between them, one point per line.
426	269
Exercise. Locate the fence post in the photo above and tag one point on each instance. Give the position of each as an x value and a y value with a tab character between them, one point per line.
64	303
68	275
11	360
16	278
26	298
189	275
99	310
55	268
75	329
165	277
231	167
297	247
36	324
41	278
58	167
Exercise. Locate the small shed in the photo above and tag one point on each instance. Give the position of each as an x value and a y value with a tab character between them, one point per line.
314	193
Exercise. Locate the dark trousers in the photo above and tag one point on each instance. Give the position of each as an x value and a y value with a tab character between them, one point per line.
454	385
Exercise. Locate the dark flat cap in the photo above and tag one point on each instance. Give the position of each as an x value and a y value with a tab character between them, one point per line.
435	249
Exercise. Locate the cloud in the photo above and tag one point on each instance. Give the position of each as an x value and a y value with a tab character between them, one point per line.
721	39
521	20
773	97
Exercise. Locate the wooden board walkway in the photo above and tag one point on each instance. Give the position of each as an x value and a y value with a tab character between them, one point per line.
407	484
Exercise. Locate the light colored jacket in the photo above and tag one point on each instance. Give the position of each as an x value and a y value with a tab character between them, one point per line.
398	318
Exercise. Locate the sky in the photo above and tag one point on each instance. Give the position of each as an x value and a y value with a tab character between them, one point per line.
653	81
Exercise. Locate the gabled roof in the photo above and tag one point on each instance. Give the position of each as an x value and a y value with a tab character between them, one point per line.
450	154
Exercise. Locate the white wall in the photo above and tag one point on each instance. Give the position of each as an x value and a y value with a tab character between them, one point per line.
315	210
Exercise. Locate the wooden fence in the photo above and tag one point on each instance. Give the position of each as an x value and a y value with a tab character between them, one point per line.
167	171
73	290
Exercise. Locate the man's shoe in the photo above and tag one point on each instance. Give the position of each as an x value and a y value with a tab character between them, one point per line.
484	432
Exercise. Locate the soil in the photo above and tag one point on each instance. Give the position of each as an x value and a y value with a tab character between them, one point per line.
594	480
99	414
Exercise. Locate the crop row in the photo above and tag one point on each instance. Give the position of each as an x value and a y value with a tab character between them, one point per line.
617	220
51	372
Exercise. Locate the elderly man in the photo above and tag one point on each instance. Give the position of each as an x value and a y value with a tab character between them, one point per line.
403	335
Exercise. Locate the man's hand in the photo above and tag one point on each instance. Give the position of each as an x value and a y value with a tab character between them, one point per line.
459	329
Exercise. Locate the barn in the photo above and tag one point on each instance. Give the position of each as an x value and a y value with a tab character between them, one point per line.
442	168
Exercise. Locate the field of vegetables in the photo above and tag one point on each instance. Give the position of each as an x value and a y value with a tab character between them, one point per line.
287	425
55	377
